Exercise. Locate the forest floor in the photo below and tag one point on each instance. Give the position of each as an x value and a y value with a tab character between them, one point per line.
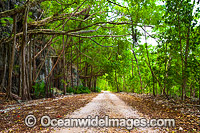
12	116
114	105
186	114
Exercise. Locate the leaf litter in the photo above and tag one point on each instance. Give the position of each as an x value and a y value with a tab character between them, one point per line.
158	107
12	120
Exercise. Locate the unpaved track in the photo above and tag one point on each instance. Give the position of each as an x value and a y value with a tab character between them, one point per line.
109	104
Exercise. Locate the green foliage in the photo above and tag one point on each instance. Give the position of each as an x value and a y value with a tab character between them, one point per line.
39	89
97	89
64	82
70	90
16	6
162	65
78	90
6	21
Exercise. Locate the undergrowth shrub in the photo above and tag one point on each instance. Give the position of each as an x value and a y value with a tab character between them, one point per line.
79	90
97	89
39	89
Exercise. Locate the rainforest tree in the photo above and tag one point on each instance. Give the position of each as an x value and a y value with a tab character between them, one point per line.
137	46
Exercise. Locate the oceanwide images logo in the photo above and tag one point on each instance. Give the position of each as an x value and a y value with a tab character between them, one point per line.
30	121
128	123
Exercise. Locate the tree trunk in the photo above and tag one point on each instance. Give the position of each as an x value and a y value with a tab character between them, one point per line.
116	81
180	43
153	74
132	72
46	80
71	70
34	62
185	64
165	78
23	54
5	49
154	94
64	77
90	85
20	74
132	66
12	60
77	67
86	70
30	65
95	83
27	80
199	91
134	41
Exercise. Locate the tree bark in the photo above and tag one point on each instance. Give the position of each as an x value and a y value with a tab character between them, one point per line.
180	43
64	77
30	64
185	63
71	70
154	94
9	88
95	83
86	70
77	66
116	81
5	49
23	54
199	91
34	63
46	79
165	78
90	85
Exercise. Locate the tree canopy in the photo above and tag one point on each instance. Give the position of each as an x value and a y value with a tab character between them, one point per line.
142	46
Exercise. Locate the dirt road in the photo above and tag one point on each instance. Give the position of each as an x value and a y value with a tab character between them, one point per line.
105	103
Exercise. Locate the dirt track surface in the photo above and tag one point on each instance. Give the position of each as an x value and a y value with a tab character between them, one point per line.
109	104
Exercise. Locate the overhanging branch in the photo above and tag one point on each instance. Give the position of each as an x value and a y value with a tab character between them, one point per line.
100	44
55	17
